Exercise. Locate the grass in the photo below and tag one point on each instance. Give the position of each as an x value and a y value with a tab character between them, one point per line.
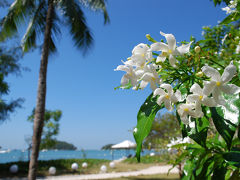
157	159
63	166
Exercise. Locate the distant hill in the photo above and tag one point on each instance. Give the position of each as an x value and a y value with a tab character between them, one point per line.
107	147
62	145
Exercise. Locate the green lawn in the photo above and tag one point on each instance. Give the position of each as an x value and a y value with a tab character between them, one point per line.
63	166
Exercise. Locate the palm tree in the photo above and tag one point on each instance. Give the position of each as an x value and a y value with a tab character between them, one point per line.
43	18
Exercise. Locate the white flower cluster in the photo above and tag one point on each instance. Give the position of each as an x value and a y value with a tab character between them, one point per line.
214	87
141	70
231	8
141	67
179	140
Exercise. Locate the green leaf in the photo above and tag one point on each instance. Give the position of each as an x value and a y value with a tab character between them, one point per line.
145	118
233	157
126	86
223	126
219	173
232	17
206	168
183	127
199	133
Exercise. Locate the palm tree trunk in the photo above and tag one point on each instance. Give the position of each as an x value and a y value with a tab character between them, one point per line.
41	96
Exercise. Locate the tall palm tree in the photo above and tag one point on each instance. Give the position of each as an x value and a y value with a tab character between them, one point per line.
43	21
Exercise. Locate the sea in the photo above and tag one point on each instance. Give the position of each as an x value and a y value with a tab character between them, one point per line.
23	155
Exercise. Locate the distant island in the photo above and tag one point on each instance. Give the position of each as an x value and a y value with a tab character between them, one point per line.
107	147
62	145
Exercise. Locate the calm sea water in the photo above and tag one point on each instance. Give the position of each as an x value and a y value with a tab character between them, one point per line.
19	155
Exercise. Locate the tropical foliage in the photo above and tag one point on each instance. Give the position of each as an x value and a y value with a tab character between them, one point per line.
199	81
9	64
50	129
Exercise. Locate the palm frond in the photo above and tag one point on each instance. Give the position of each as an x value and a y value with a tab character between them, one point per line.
7	108
19	10
55	33
97	5
36	28
79	30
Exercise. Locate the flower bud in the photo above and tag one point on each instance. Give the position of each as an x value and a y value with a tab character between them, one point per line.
148	36
199	74
197	49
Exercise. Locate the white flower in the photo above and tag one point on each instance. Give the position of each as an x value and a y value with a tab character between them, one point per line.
135	130
199	98
131	75
150	76
238	49
231	8
186	110
218	83
140	56
168	97
169	50
224	38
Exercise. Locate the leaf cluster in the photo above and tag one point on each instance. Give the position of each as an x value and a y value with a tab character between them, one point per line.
215	152
67	13
50	129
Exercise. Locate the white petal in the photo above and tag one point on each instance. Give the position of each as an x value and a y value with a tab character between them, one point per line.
130	63
160	100
183	49
212	73
159	91
160	59
209	102
139	73
124	80
140	49
167	104
147	77
122	68
230	89
208	87
178	96
174	99
153	85
180	110
228	73
218	98
197	114
170	40
172	61
134	80
196	89
185	119
192	98
168	87
143	84
159	46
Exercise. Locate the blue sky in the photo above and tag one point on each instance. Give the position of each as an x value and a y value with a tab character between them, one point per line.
94	114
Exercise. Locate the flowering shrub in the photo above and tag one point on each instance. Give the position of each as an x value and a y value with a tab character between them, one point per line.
200	81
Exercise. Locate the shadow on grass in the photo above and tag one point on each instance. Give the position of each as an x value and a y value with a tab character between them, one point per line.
63	166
